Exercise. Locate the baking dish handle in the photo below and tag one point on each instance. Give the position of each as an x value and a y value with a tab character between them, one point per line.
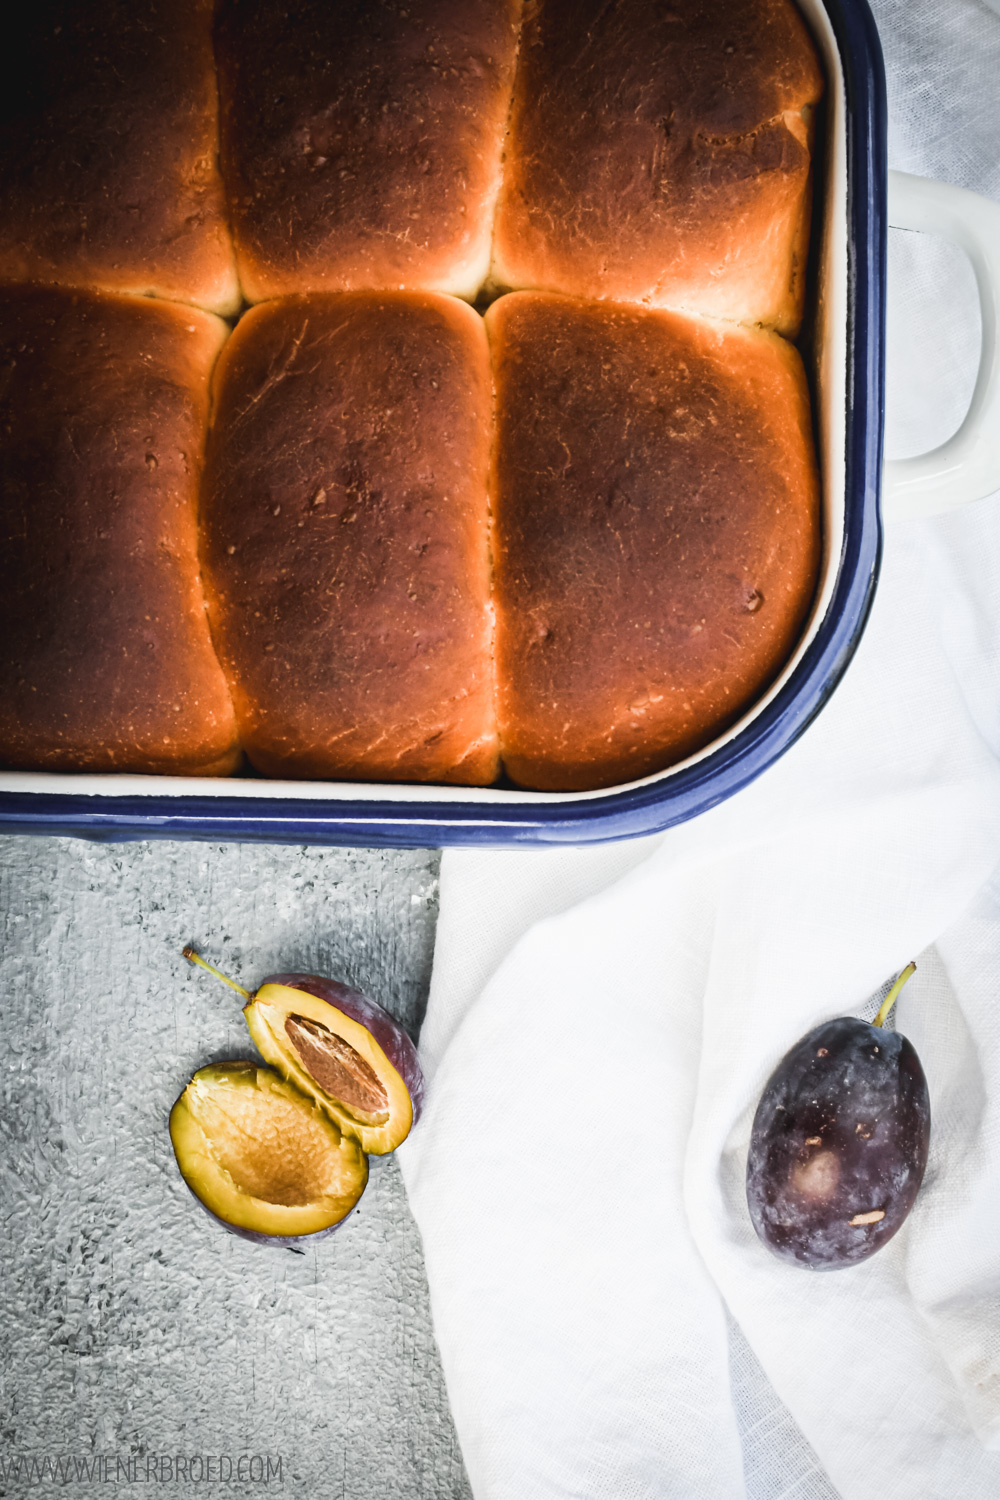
967	466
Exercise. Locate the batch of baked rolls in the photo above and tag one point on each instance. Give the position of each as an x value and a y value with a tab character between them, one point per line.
401	390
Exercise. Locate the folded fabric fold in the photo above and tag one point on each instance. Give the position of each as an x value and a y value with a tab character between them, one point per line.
597	1040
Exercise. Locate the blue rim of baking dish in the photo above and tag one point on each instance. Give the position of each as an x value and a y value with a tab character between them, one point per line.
655	806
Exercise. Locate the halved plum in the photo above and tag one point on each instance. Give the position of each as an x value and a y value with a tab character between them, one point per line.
344	1051
261	1157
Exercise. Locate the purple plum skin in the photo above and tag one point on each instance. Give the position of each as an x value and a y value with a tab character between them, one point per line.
368	1013
842	1129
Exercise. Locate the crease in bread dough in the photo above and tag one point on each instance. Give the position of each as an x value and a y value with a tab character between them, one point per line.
491	532
276	373
199	563
483	291
791	119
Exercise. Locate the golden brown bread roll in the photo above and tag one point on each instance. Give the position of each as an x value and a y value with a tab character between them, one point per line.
345	537
361	144
106	663
660	153
108	147
656	532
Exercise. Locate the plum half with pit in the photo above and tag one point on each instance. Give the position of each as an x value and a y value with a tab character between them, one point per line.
261	1157
839	1142
341	1048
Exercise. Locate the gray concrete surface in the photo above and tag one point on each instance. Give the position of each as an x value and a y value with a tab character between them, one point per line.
133	1328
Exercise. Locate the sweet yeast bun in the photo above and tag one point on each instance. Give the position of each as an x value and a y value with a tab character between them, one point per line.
660	153
108	146
656	532
106	663
345	537
361	144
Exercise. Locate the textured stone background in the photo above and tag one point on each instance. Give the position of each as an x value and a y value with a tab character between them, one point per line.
132	1325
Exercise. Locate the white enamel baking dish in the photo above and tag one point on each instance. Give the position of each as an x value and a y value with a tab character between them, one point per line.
860	198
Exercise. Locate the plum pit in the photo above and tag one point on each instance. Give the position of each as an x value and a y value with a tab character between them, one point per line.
342	1050
338	1069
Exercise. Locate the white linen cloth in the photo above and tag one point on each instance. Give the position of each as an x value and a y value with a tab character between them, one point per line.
601	1024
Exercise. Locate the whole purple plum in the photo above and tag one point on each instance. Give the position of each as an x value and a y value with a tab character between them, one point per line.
839	1143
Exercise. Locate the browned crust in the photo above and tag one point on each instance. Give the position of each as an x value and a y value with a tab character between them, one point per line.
345	537
106	663
361	143
661	154
656	532
108	151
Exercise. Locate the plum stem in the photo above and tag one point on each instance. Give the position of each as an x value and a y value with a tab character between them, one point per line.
890	999
196	958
